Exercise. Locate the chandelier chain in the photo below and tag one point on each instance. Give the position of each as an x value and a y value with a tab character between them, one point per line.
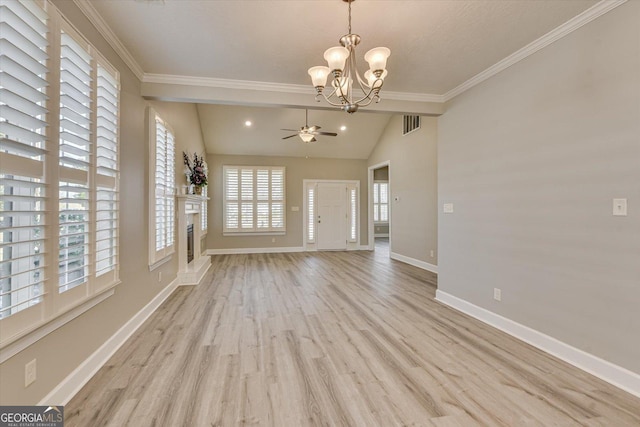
350	16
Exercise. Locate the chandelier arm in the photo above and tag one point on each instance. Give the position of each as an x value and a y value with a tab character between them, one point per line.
331	102
369	98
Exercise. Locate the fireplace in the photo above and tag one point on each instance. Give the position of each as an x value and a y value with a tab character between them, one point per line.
189	243
192	263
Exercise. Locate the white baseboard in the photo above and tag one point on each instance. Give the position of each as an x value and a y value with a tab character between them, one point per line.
415	262
270	250
381	235
63	392
607	371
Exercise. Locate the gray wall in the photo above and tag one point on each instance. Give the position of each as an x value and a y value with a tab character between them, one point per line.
532	159
297	170
413	178
60	352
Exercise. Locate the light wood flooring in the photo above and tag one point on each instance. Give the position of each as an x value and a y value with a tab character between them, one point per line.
333	338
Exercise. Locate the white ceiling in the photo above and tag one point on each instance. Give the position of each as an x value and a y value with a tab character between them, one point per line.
436	46
224	131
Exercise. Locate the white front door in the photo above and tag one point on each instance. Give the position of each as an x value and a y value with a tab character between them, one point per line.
332	216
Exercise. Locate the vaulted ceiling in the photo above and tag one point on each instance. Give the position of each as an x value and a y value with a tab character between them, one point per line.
436	47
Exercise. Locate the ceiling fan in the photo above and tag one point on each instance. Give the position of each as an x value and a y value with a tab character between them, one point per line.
306	133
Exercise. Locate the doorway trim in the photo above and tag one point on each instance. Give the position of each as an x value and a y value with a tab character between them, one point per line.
370	228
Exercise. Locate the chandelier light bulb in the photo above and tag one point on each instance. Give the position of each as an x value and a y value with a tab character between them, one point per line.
336	57
377	58
319	75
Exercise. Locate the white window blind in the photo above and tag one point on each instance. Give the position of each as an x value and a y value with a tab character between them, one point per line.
107	168
381	201
353	214
163	224
23	76
311	213
75	148
254	199
204	211
74	140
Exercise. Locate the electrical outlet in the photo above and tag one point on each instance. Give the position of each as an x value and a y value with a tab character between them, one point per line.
273	240
497	294
159	276
620	207
432	254
30	373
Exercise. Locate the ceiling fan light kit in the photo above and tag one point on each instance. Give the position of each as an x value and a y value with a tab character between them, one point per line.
342	66
306	133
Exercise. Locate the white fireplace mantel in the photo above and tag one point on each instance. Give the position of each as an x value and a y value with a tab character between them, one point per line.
189	208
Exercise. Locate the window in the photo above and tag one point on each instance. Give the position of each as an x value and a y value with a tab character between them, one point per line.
22	155
59	178
353	213
311	213
204	210
254	199
381	201
75	147
162	203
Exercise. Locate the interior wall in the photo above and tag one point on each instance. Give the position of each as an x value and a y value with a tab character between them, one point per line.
531	160
413	177
297	170
62	351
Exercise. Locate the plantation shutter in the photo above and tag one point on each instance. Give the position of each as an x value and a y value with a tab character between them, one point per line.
376	202
277	197
253	199
74	163
23	74
246	192
311	213
204	211
232	212
107	199
353	214
164	202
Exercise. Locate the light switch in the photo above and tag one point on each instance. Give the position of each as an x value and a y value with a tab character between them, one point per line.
619	207
447	208
295	208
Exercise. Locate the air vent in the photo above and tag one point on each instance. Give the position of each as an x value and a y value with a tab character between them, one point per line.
410	124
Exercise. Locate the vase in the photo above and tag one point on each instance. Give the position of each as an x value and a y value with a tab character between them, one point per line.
198	190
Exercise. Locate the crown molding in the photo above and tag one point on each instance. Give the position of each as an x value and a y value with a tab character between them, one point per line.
556	34
103	28
568	27
171	79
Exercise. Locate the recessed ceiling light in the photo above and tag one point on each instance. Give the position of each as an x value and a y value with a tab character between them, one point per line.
248	123
343	127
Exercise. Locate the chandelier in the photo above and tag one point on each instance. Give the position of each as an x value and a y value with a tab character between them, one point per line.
343	70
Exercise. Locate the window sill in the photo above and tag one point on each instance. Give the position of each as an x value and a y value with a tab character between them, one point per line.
22	341
254	233
161	261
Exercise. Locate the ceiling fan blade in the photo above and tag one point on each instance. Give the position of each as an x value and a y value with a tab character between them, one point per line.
326	133
290	136
313	140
